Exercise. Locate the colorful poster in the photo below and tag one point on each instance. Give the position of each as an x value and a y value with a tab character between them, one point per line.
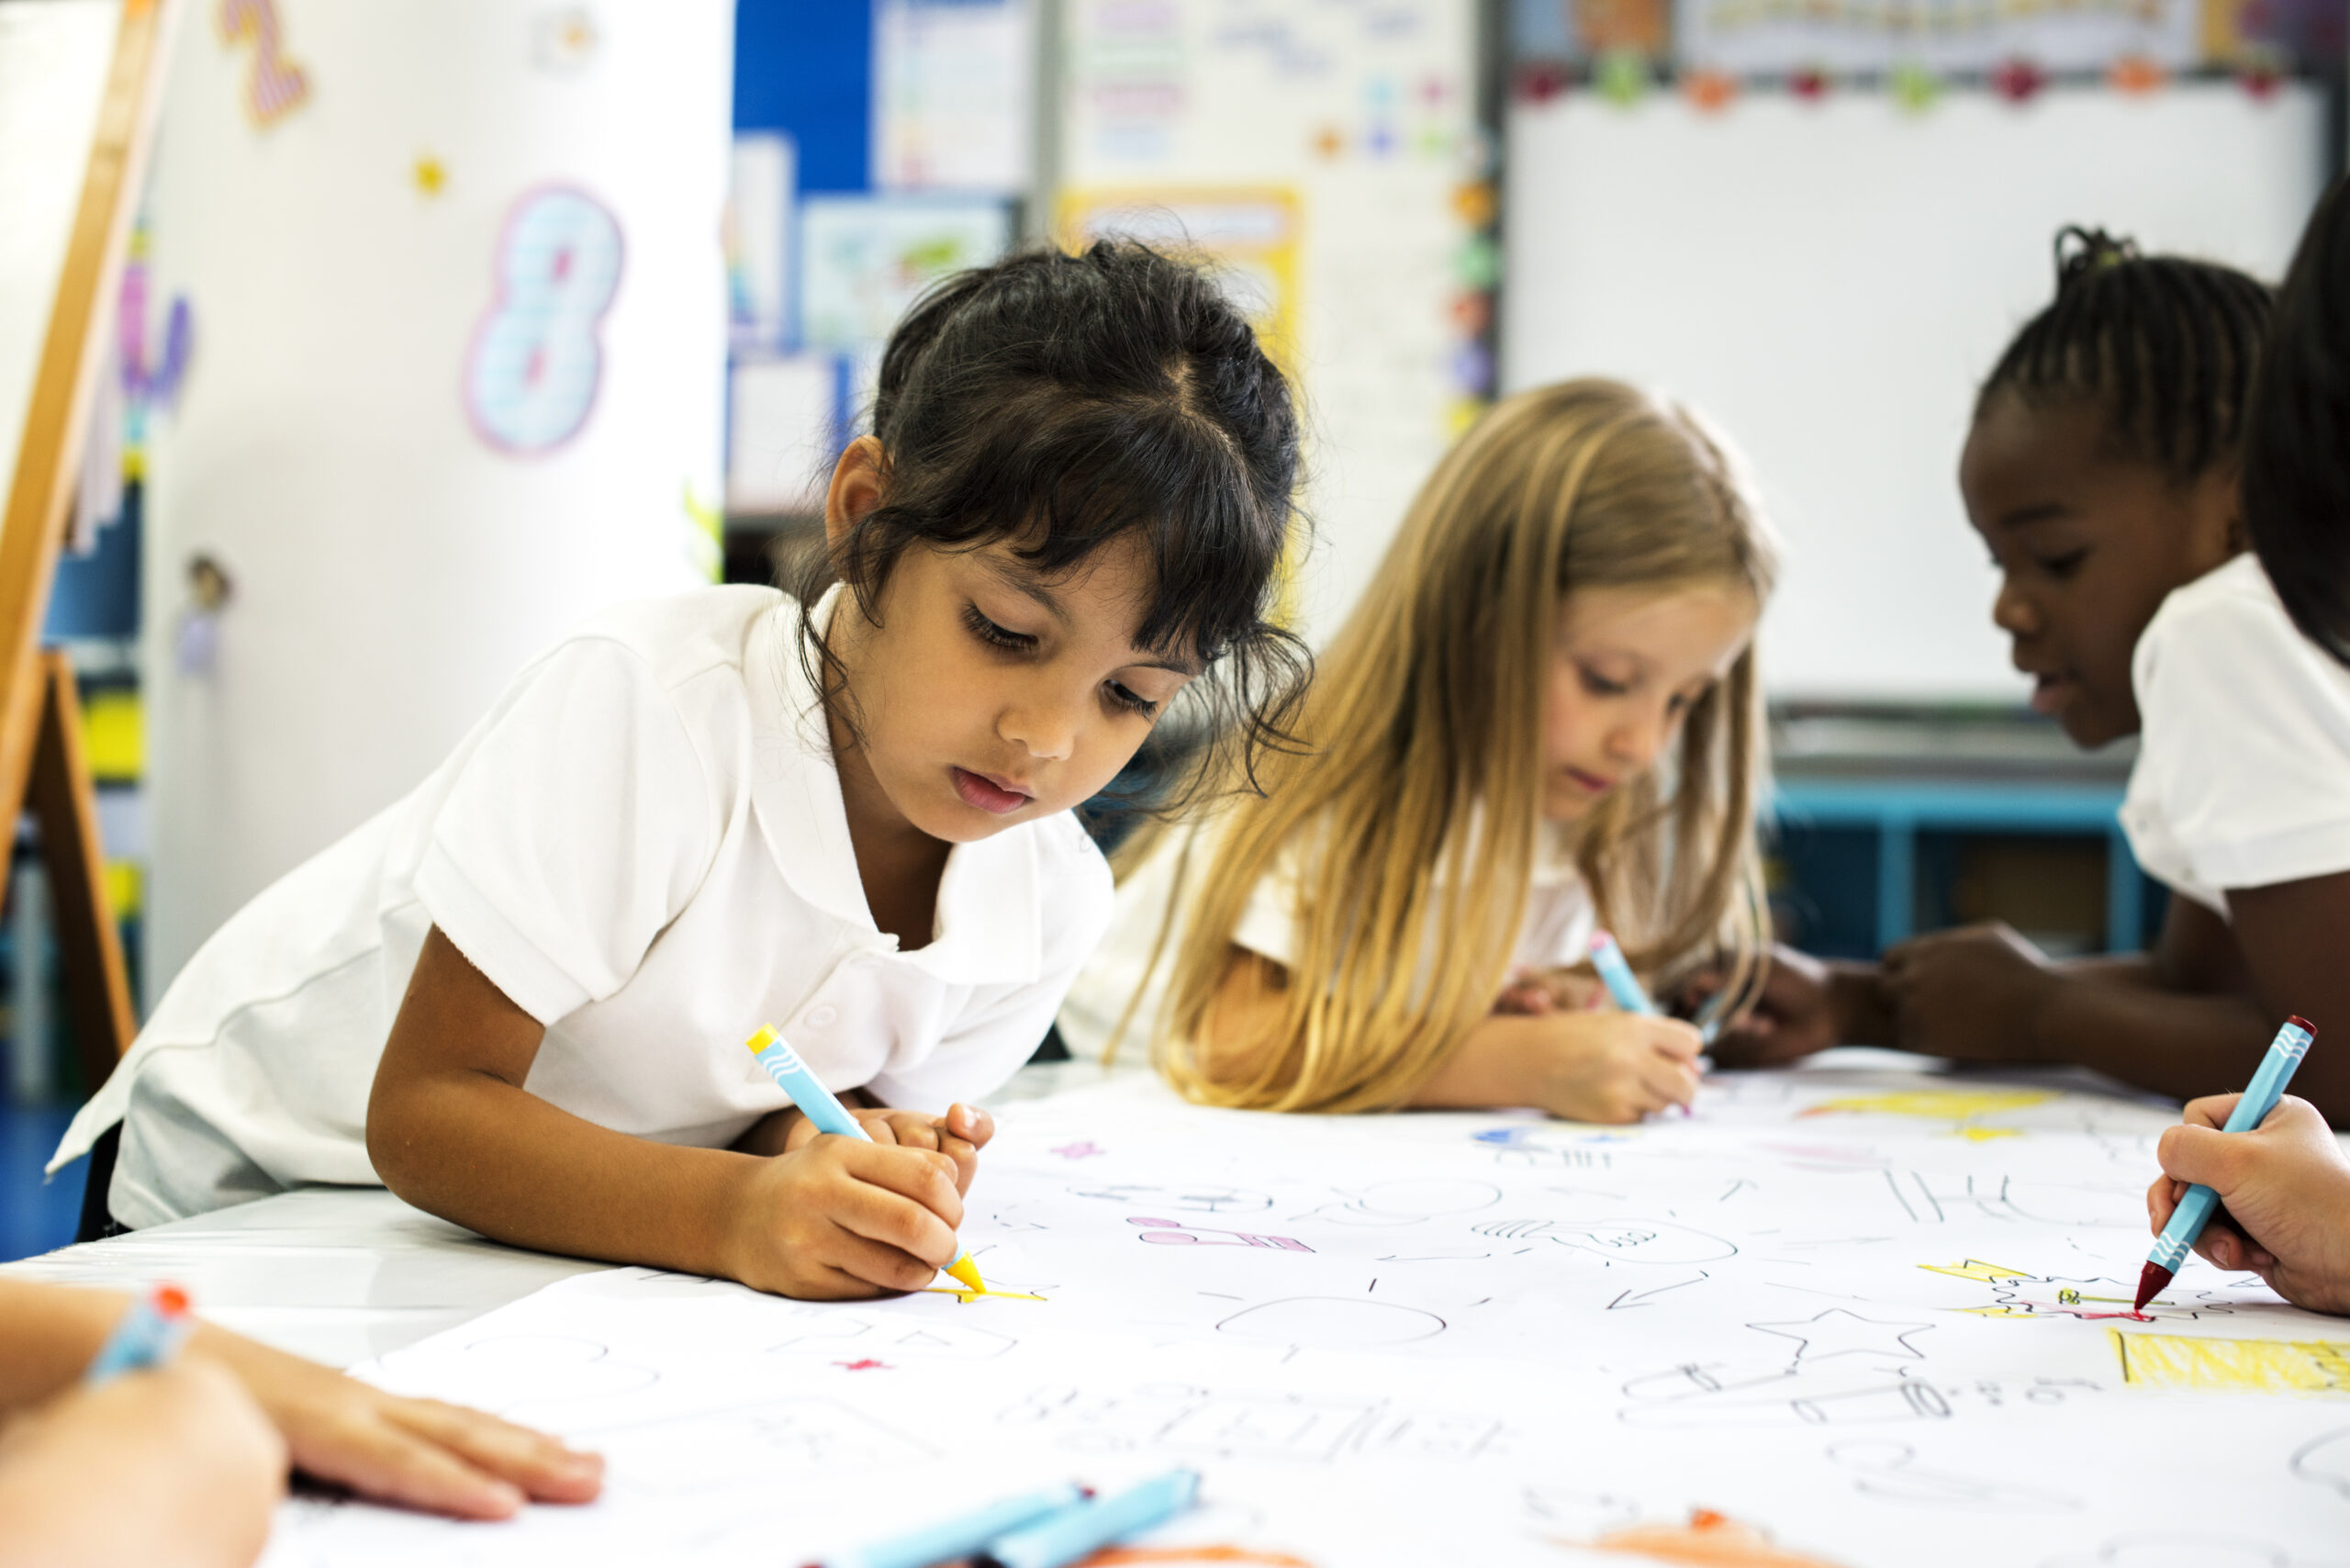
863	260
1845	36
1251	236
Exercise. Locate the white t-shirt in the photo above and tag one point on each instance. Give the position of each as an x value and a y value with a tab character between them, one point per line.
1556	932
644	846
2242	778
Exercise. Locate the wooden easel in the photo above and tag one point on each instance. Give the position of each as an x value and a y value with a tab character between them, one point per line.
42	767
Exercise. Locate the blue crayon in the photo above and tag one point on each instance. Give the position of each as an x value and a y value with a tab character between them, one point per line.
829	1115
2194	1211
1617	974
1075	1532
149	1333
957	1537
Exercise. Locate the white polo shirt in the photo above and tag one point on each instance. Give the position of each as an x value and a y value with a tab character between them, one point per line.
1555	933
644	846
2242	778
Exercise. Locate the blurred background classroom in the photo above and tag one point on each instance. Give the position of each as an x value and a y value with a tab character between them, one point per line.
352	461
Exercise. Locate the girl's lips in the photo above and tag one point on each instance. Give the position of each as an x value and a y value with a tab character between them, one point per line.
985	794
1589	781
2049	694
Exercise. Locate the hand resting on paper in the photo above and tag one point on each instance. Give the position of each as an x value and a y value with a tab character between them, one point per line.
2285	1190
1806	1004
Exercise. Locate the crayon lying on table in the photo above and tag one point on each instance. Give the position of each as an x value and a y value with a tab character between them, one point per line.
148	1334
828	1114
1075	1532
953	1539
2194	1211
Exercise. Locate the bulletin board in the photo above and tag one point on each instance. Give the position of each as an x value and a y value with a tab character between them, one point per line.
1830	280
1350	129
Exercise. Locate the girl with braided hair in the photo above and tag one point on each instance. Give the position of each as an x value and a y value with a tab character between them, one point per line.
2103	472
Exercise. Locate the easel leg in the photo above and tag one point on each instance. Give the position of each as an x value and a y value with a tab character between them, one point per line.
64	802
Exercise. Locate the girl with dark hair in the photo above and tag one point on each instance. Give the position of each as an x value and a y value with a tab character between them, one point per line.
2102	473
519	997
2286	1184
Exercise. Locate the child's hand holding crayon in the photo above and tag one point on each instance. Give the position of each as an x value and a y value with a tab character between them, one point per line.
2285	1188
831	1218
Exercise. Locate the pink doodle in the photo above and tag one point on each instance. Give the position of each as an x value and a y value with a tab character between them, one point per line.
1079	1150
1174	1233
866	1364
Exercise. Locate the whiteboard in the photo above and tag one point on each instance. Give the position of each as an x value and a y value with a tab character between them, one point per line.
1830	281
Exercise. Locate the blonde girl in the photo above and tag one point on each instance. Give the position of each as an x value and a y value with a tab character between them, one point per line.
1543	717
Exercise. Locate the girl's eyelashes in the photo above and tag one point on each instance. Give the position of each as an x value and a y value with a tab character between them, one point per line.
1599	685
1131	701
2065	564
995	636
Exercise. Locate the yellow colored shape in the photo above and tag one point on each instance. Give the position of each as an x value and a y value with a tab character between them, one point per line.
113	736
967	1296
1975	1269
429	174
762	1040
1707	1540
968	1272
123	889
1961	1106
2232	1366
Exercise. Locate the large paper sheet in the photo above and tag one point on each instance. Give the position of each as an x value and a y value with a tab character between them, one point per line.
1839	1317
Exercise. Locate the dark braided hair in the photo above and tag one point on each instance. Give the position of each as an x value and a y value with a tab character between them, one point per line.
2167	344
1064	402
2297	446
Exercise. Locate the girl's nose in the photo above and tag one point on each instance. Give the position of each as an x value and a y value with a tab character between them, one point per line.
2014	613
1043	727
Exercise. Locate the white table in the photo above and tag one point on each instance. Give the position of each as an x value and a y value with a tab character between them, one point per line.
344	1274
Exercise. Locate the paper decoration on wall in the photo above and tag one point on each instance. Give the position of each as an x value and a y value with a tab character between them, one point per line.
1914	87
275	85
429	174
2019	81
863	260
563	39
1710	90
1870	37
2136	73
953	95
532	376
1623	76
763	179
1250	236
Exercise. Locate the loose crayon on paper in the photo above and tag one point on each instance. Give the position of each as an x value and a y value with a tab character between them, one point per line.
149	1333
950	1540
1075	1532
816	1102
2194	1211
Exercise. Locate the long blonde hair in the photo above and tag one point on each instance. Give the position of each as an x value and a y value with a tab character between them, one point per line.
1414	806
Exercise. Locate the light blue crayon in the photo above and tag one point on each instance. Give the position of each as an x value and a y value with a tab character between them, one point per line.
829	1115
959	1537
1617	974
148	1334
1075	1532
2194	1211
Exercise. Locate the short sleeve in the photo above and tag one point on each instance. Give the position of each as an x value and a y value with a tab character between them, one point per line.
576	828
2246	750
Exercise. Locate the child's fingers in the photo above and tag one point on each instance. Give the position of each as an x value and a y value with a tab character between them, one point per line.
970	1124
907	1201
379	1460
2212	1111
877	1265
1675	1038
541	1465
1668	1082
2199	1154
965	1158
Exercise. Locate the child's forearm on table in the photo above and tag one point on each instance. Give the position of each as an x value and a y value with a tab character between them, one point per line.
499	1160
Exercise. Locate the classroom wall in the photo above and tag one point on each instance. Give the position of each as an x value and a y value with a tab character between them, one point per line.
456	286
1830	280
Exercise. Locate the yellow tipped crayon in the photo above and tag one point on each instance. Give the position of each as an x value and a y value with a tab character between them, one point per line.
816	1102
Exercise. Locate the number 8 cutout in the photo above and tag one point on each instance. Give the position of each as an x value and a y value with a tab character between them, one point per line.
532	375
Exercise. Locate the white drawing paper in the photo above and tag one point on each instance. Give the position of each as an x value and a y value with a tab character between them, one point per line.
1837	1317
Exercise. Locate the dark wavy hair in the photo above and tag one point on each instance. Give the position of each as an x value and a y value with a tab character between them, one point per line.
1064	401
2296	448
2166	343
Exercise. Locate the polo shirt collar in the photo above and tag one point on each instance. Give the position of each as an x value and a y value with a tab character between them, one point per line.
990	898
